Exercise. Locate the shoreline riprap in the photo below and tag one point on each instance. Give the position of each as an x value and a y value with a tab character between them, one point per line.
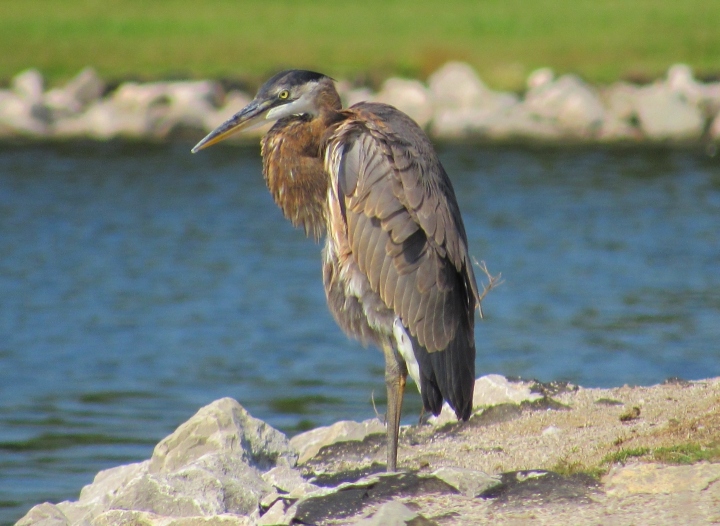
454	104
554	453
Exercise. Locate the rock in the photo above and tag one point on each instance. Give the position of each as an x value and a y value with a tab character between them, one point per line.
498	118
142	518
105	119
45	514
86	87
352	497
491	390
208	471
667	115
568	102
21	109
540	77
620	101
191	105
308	444
289	481
469	482
650	479
456	85
28	85
465	107
353	96
519	123
214	484
393	513
97	497
494	389
616	130
621	120
277	514
532	486
234	102
19	115
409	96
223	426
706	97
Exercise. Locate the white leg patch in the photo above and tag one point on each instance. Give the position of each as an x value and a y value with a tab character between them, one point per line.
404	345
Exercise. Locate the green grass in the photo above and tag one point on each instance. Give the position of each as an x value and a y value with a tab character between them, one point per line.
687	453
366	41
622	456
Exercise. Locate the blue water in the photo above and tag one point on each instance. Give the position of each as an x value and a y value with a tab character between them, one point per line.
138	283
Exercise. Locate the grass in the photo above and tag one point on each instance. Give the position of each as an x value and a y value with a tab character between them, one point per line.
680	454
364	41
687	453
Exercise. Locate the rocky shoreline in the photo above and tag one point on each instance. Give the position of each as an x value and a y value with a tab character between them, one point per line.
531	453
454	104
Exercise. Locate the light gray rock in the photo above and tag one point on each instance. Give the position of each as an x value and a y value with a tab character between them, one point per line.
234	101
706	97
19	115
667	115
86	87
490	390
617	130
650	479
469	482
457	85
621	120
97	497
289	481
620	101
210	467
498	118
191	105
356	95
409	96
106	119
45	514
155	109
518	123
494	389
21	108
223	426
391	513
276	515
350	498
28	85
465	107
143	518
213	484
308	444
540	77
568	102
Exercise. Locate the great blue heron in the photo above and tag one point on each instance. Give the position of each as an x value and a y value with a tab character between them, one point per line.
396	267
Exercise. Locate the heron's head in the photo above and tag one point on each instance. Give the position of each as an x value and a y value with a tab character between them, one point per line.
291	92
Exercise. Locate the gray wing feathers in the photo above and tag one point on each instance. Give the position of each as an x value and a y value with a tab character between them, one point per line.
405	233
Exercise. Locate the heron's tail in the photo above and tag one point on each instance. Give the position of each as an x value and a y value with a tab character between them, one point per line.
448	374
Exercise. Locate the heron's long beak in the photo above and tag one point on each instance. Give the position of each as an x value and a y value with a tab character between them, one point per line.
246	118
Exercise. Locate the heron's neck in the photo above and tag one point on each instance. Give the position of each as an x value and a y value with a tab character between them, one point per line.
294	172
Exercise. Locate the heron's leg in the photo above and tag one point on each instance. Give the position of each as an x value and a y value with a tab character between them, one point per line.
395	375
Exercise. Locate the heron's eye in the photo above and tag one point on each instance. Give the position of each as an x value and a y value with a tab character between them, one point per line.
284	94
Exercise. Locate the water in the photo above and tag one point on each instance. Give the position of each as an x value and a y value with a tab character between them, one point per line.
138	283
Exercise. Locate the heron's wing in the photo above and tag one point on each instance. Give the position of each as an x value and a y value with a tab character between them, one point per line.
403	224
